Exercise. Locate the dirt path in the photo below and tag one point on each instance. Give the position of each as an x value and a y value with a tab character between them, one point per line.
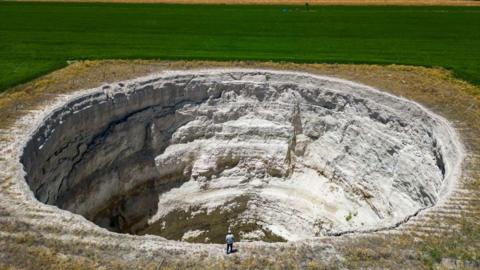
297	2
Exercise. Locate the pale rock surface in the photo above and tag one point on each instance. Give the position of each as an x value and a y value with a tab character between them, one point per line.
294	154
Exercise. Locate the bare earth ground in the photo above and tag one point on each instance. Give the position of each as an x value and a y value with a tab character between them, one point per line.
295	2
445	237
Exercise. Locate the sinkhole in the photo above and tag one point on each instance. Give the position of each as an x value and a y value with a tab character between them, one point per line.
273	155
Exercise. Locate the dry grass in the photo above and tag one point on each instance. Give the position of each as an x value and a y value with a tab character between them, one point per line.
293	2
435	88
419	83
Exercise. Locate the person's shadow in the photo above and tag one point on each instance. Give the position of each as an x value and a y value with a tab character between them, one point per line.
234	250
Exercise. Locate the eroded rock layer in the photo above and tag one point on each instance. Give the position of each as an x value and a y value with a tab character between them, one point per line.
274	155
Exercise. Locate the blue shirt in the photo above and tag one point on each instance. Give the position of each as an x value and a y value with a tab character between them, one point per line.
229	238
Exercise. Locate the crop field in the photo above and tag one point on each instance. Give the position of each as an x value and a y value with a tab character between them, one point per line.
36	38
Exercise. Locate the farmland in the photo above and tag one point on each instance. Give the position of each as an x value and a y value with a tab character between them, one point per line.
103	168
36	38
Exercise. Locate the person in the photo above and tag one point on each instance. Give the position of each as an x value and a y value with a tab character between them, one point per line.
229	238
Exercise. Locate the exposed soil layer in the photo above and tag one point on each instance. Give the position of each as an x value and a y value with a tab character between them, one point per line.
283	155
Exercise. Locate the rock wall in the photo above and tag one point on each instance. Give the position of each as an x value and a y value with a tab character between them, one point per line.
274	155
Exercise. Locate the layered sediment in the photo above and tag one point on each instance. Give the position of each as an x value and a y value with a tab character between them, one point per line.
274	155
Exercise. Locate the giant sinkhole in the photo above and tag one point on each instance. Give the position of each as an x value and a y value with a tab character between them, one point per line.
273	155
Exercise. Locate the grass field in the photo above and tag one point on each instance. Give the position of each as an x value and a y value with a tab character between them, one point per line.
36	38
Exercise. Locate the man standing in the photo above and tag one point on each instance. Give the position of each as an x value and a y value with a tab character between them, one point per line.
229	238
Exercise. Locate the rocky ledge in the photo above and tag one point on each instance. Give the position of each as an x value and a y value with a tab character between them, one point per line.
276	156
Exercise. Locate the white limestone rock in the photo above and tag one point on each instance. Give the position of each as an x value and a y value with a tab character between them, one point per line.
313	155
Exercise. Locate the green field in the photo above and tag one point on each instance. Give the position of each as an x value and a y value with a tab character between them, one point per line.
36	38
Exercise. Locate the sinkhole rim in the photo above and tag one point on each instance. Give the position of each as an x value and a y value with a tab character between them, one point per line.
448	181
